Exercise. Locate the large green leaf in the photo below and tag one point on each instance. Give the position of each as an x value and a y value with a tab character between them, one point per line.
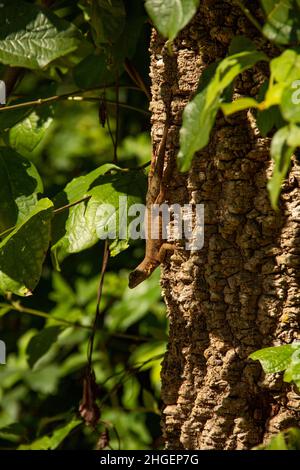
52	441
171	16
76	229
41	343
19	186
199	115
283	21
33	37
275	359
23	251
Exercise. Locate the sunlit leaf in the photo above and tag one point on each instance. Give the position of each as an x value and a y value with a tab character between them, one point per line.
52	441
23	251
282	21
41	343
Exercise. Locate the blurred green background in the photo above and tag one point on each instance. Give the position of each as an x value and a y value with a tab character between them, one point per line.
37	401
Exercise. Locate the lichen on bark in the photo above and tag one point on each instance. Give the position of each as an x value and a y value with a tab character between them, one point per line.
241	291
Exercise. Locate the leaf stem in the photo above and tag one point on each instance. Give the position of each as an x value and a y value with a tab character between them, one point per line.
249	15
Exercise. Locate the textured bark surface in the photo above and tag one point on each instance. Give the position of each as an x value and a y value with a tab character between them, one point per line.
241	291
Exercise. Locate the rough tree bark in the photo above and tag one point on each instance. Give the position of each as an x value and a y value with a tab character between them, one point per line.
241	292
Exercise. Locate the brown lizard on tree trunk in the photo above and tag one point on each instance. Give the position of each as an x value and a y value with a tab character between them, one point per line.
158	179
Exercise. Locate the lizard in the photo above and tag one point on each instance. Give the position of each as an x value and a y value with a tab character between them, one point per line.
158	179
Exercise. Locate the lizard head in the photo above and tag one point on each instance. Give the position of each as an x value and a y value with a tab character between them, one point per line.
136	277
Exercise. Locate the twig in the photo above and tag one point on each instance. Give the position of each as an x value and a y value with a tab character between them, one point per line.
67	206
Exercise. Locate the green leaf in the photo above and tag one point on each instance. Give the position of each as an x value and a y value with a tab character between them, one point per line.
292	373
283	21
131	186
241	44
199	115
52	441
289	104
281	152
125	46
171	16
134	305
268	119
275	359
286	67
107	19
33	37
25	136
13	432
44	380
149	402
41	343
277	443
23	251
20	184
9	118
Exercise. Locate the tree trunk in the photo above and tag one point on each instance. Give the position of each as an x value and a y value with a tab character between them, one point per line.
241	291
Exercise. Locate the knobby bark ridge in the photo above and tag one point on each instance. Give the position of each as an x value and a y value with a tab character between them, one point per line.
241	291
